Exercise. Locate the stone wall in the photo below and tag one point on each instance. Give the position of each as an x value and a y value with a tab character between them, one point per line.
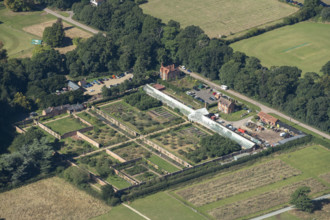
168	154
125	177
112	154
83	120
115	122
89	140
50	131
19	130
73	133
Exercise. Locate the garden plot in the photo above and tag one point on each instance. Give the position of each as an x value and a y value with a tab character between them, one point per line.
263	201
73	147
99	164
160	114
102	133
162	164
146	176
238	182
131	151
140	121
95	162
66	125
180	141
142	171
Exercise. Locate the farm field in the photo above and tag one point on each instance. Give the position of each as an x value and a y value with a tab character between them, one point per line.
219	17
65	125
51	198
294	45
15	39
241	181
141	121
275	178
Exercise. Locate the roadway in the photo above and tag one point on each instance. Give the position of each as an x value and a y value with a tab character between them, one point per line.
70	20
263	108
286	209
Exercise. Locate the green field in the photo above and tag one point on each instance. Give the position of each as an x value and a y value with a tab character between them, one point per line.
65	125
305	45
162	206
219	17
311	161
161	163
119	213
16	40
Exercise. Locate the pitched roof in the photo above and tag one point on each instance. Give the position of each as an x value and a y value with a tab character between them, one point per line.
225	102
158	86
73	86
267	117
168	69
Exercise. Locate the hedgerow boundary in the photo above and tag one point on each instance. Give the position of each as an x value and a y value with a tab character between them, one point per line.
173	180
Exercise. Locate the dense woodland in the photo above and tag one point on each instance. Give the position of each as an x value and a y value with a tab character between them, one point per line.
142	101
140	42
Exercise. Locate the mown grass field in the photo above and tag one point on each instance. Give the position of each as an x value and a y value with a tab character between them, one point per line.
219	17
51	198
207	197
16	40
65	125
163	164
162	206
119	213
305	45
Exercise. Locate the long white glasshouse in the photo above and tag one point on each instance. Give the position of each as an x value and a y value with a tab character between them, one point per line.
198	116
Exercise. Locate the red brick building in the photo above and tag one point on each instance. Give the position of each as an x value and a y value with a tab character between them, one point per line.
226	106
169	72
267	118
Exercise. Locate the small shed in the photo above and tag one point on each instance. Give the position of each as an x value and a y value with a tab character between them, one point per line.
271	120
73	86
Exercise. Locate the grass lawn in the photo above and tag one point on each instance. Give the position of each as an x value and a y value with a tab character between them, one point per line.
162	206
236	116
294	45
119	213
15	39
300	128
65	125
51	198
219	16
163	164
118	182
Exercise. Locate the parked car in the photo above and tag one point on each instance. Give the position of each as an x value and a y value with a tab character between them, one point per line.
189	71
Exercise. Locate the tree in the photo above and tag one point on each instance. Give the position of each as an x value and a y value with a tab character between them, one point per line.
54	35
19	5
301	200
325	14
326	69
3	53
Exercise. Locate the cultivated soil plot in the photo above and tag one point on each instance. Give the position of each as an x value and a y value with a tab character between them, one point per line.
238	182
102	133
293	45
263	201
180	141
144	122
51	198
66	125
219	17
130	152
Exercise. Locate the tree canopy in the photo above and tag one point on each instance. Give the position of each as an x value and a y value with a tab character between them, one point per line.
54	35
300	199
